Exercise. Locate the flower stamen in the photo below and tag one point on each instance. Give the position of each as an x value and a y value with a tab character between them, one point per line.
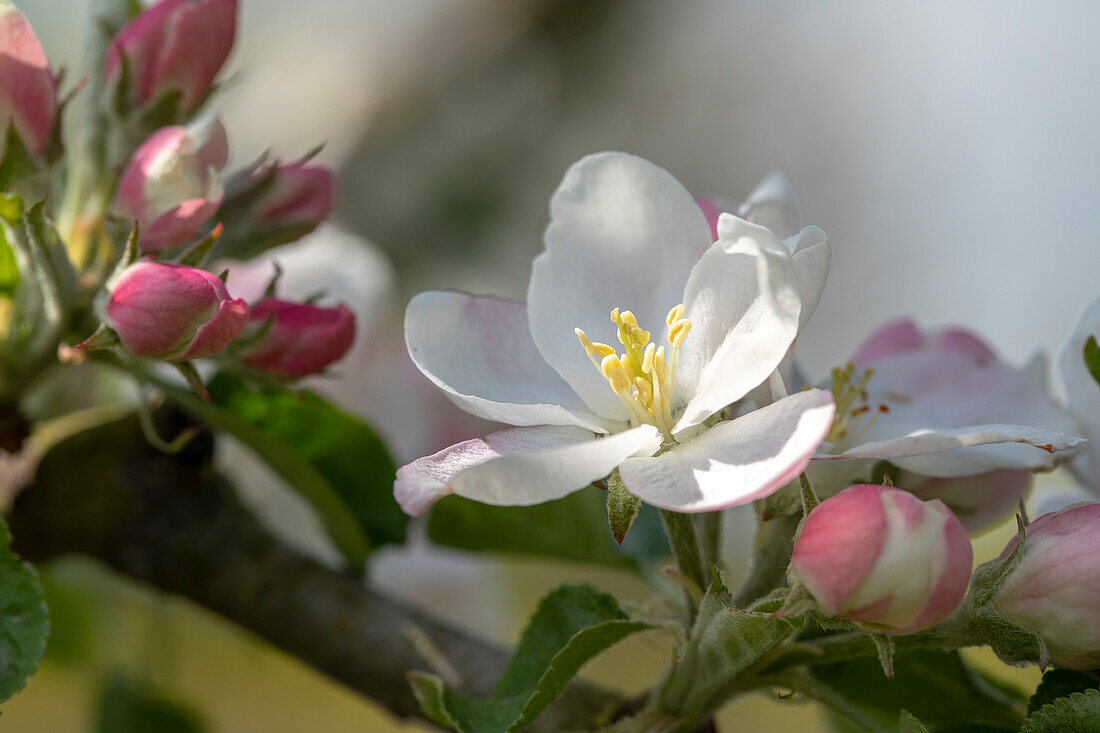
641	376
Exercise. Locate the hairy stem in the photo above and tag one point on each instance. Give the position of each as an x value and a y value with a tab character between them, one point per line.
680	529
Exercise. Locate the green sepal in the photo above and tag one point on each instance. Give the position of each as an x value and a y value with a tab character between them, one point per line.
724	641
198	254
103	338
622	507
908	723
193	379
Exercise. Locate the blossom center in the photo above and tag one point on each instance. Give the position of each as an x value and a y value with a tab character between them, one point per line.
854	413
644	375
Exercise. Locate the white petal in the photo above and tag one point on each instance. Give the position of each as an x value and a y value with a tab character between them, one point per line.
940	401
773	204
1080	393
480	352
742	300
812	257
519	466
623	234
735	462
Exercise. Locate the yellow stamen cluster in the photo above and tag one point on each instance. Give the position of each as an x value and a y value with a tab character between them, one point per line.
644	375
853	413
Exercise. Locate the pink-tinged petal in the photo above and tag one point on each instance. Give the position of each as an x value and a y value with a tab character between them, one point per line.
898	337
839	545
519	466
130	198
218	332
934	402
300	194
980	501
742	300
773	204
624	234
713	207
952	583
141	40
961	341
196	46
28	90
737	461
479	350
178	226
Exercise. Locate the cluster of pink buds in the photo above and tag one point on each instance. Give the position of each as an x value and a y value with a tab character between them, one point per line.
883	558
168	57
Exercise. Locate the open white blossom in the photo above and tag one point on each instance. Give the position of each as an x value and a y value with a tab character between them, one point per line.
1081	394
697	324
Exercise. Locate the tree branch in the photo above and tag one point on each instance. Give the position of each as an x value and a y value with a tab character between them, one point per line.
172	522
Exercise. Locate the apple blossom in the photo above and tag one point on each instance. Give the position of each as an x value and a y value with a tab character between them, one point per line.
774	204
28	89
881	557
173	312
1054	589
301	339
170	186
1081	394
943	405
173	47
623	234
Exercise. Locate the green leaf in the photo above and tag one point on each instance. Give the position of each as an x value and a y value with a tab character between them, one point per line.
1092	358
1060	683
622	507
573	528
723	642
1078	713
127	707
909	724
571	625
9	270
935	686
332	459
24	619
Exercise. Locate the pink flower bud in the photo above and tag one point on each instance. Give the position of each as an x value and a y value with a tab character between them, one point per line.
173	312
1054	590
170	186
28	91
302	339
299	195
883	558
173	46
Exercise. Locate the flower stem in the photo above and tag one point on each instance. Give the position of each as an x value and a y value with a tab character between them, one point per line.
681	536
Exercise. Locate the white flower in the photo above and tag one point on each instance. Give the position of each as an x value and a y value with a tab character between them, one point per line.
627	249
944	405
1081	394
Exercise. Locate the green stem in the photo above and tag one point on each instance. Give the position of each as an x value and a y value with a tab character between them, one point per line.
771	554
711	536
681	537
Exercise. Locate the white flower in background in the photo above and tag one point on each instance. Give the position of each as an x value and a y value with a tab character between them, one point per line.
626	242
1081	394
943	405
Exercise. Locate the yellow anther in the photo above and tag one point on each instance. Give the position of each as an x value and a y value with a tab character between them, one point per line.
642	376
678	332
647	360
674	315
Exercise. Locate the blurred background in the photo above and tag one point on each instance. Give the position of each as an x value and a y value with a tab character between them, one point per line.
948	149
